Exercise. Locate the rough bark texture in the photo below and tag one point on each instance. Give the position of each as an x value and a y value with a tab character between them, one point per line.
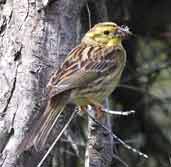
34	42
99	151
35	37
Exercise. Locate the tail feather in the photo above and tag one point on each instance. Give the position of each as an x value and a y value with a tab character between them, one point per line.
48	121
40	132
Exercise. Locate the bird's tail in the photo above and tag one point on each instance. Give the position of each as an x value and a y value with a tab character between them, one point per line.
43	126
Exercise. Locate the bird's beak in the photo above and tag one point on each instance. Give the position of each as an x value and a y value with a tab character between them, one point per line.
123	31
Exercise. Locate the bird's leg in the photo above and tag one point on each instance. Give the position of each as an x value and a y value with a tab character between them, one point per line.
99	112
98	108
81	110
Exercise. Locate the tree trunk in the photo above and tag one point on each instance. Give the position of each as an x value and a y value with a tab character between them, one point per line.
99	151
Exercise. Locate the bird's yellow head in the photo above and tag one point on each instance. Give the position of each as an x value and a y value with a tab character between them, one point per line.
106	34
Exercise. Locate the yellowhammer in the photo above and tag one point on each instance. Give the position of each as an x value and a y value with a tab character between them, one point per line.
90	72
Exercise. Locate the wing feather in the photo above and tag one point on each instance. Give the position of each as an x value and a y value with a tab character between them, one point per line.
79	69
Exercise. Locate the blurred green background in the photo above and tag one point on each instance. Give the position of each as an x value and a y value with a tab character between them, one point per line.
146	84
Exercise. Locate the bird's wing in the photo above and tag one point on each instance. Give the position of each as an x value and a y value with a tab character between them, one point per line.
83	65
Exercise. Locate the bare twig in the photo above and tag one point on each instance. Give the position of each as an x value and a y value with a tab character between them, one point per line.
123	113
143	91
148	72
169	159
71	140
120	160
57	138
89	15
118	139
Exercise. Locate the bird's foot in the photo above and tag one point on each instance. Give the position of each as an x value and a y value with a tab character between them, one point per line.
98	111
81	110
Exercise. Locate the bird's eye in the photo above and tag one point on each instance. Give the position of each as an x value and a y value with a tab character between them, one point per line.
106	32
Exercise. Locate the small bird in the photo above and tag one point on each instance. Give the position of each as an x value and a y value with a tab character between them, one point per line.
90	72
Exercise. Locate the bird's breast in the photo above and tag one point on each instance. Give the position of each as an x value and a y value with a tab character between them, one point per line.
101	87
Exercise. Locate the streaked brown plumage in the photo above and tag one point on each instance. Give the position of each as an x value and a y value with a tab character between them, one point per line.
90	72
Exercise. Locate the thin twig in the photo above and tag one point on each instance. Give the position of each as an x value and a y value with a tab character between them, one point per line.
120	160
125	113
169	159
149	72
143	91
118	139
72	142
56	140
108	111
89	15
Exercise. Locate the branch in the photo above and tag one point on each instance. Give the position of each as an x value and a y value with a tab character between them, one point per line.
99	150
57	138
117	138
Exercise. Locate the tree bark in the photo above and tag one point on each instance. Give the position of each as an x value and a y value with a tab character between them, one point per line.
99	151
34	41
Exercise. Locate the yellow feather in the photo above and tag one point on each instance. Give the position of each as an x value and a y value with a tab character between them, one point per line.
114	42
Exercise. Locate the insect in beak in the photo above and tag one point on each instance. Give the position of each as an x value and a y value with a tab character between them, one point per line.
123	31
